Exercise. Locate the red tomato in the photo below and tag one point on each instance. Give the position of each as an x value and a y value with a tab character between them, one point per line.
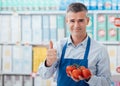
86	73
82	67
76	73
69	69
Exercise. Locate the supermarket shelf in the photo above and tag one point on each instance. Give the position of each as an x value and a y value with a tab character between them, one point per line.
107	11
46	43
57	12
16	73
26	43
110	43
115	77
33	12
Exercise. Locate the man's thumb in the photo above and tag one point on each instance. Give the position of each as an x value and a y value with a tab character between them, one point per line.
51	45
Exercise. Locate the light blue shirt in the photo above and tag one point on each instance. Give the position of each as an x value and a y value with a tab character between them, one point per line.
98	61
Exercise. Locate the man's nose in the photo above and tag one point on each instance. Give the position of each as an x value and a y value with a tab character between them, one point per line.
76	24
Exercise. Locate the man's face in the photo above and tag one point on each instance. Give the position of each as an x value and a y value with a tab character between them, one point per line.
77	23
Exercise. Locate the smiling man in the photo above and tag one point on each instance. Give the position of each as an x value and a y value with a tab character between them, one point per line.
78	49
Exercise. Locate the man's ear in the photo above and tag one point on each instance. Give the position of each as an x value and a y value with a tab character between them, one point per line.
66	20
88	19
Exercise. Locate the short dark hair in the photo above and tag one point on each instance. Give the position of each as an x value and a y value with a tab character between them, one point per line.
76	7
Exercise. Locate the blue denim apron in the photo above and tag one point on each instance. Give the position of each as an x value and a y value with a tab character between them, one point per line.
63	79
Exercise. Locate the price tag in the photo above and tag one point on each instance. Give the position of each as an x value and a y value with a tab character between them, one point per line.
118	69
117	22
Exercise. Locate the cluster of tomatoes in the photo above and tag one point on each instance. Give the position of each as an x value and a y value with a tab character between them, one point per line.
76	71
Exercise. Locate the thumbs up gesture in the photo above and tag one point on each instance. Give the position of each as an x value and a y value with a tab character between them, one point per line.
51	55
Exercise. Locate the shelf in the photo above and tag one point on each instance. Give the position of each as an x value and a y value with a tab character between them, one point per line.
27	44
110	43
46	43
115	77
15	74
34	12
107	11
57	12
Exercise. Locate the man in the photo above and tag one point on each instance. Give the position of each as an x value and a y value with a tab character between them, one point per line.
79	49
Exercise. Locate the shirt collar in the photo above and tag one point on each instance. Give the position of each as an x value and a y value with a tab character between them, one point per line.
83	43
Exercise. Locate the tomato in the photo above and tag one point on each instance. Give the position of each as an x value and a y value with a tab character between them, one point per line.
76	70
76	73
82	67
69	69
86	73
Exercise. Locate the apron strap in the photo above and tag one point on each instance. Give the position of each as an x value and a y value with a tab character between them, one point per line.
63	51
87	48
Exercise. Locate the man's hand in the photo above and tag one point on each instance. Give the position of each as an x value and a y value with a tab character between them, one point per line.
77	74
77	80
51	55
80	78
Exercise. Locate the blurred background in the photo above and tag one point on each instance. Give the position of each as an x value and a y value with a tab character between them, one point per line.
26	26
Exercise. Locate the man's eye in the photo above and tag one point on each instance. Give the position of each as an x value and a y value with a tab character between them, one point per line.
81	20
72	21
